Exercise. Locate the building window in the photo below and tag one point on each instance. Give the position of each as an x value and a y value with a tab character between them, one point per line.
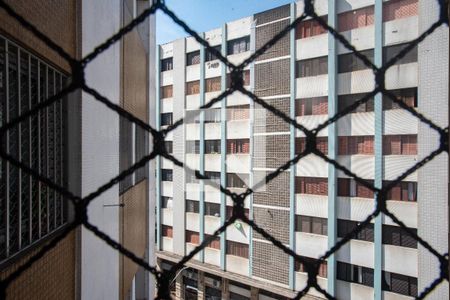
245	77
400	145
166	175
345	101
209	56
238	112
310	28
407	96
212	115
193	87
167	231
350	62
167	64
191	178
213	177
169	146
192	237
212	293
300	267
402	191
193	58
212	209
398	9
353	145
212	84
126	154
392	51
355	274
237	180
238	45
346	226
321	145
215	243
237	249
311	186
166	202
394	235
29	210
167	91
212	147
235	296
400	284
193	147
192	206
309	224
356	18
350	188
141	150
312	67
238	146
166	119
311	106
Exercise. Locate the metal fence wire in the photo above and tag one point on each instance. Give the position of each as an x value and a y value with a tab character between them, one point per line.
163	278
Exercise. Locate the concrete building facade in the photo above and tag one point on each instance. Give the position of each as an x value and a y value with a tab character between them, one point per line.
309	76
80	144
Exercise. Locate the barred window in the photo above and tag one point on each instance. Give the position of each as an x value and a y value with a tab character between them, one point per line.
193	87
356	18
169	146
312	67
394	235
310	224
398	9
193	58
192	206
238	45
167	64
166	175
245	77
29	210
399	283
212	115
229	210
237	180
215	243
407	96
193	147
213	177
347	226
141	150
311	106
391	51
237	249
167	231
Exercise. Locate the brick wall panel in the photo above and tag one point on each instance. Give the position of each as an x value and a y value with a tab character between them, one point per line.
266	33
274	221
274	193
272	14
271	263
272	78
270	151
266	121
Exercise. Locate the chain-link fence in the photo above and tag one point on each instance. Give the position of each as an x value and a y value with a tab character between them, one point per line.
163	278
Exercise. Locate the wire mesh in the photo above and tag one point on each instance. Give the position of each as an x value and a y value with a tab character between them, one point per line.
163	278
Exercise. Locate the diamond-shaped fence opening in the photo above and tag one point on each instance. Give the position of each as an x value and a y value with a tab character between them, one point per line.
309	144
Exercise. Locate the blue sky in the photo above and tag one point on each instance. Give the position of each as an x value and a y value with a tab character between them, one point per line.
204	15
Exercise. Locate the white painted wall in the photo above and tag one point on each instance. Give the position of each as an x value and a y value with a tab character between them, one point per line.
100	147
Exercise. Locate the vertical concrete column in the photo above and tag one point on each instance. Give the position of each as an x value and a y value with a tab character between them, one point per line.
332	145
179	289
254	293
201	285
225	289
378	139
